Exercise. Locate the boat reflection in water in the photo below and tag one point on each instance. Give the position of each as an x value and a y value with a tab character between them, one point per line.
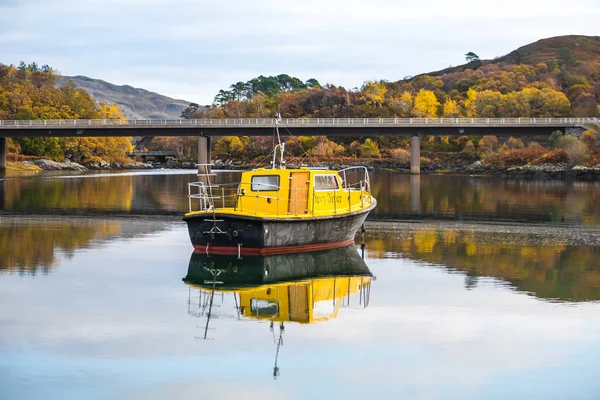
304	287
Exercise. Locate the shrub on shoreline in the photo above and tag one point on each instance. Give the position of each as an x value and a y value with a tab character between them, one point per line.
400	155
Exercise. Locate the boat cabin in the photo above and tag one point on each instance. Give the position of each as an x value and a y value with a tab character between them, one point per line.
290	192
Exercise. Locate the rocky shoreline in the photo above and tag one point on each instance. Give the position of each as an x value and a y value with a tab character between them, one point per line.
542	171
49	165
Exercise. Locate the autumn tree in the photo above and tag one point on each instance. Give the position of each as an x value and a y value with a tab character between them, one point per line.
470	106
370	149
31	92
373	93
230	145
426	104
405	104
109	111
451	108
488	104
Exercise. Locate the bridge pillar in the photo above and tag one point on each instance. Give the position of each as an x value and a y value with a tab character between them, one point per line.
203	154
415	155
2	154
415	194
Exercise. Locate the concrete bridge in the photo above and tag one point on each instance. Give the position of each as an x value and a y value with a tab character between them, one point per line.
206	128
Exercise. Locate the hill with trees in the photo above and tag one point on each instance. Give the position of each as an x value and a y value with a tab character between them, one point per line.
555	77
29	91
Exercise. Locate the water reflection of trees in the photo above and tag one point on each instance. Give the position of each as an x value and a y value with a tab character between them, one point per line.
136	192
32	247
110	193
551	267
460	197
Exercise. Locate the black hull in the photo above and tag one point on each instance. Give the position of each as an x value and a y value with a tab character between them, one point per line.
249	271
248	235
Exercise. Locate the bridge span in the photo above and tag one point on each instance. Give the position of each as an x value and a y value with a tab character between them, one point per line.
296	126
207	128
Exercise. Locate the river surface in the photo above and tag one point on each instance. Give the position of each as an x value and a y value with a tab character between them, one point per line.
462	288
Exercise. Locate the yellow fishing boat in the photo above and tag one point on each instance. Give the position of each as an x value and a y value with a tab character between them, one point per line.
279	209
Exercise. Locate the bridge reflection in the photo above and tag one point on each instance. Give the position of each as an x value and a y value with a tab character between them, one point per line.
2	190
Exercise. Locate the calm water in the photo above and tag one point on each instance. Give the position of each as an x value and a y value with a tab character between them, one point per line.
400	196
463	301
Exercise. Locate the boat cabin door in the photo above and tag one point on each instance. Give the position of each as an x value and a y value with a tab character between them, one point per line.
298	200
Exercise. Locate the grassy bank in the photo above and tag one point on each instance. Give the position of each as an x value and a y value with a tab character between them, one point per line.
21	166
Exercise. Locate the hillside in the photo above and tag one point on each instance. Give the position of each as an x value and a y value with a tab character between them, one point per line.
134	103
584	48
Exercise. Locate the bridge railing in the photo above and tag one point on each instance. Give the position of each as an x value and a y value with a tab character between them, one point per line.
299	122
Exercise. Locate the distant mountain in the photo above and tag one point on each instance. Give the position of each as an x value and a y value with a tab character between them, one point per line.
134	103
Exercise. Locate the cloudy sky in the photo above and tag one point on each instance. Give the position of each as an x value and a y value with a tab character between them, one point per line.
189	49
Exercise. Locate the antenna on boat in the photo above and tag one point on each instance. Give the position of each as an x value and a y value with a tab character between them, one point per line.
279	144
279	343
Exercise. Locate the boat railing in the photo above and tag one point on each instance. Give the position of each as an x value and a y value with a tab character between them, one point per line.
215	196
355	178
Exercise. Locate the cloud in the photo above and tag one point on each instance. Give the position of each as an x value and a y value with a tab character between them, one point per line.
190	49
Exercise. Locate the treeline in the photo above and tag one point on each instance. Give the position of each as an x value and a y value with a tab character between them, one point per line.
561	87
267	85
30	92
558	88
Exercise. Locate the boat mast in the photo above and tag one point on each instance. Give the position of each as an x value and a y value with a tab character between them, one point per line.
279	145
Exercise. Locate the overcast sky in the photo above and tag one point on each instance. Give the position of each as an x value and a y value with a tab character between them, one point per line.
190	49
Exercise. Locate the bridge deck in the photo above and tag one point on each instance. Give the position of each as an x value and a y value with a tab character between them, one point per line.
296	122
295	126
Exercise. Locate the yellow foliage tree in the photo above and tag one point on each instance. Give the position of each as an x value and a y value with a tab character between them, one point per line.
374	93
370	149
451	109
406	103
488	104
110	111
229	145
470	111
426	104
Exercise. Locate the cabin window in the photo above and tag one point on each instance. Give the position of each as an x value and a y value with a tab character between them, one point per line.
265	183
264	308
326	182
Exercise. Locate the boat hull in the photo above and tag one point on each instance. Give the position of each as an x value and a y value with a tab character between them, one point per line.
232	234
254	271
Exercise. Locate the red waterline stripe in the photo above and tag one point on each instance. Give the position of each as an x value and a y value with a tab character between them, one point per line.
248	251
